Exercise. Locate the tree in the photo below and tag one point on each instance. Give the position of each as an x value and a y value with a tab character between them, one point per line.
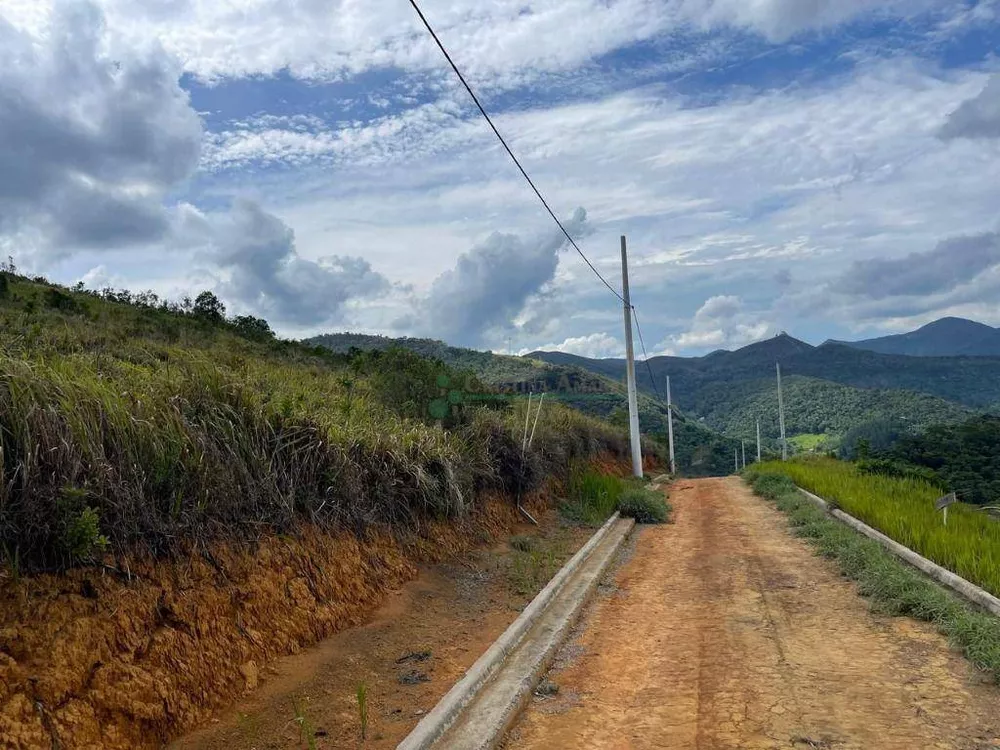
209	307
253	328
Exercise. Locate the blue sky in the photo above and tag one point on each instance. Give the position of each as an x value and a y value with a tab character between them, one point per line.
829	168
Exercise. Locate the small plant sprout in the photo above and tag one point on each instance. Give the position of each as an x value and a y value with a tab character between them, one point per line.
362	696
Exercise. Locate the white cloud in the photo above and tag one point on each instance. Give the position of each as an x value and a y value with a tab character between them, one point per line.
268	276
594	346
491	284
721	322
92	136
501	43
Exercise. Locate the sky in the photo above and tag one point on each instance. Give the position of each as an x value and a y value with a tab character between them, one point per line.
829	168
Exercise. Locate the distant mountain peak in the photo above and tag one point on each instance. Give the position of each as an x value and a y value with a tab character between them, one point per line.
945	337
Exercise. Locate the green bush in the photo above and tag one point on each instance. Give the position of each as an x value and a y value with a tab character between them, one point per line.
645	506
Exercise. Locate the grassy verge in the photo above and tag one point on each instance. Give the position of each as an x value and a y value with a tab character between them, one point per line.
893	587
535	561
129	425
593	497
903	509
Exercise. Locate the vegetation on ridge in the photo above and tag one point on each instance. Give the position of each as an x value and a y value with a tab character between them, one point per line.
128	423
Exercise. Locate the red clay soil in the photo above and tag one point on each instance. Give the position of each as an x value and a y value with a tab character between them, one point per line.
89	660
725	631
413	650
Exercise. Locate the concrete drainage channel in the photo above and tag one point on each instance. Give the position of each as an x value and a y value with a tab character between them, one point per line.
477	712
956	583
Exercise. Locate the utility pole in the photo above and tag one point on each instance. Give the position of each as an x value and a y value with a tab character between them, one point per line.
758	441
633	404
781	416
670	428
743	448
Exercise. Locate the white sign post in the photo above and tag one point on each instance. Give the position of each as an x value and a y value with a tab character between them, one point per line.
942	504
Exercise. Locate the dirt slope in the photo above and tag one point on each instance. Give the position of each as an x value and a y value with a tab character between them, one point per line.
727	632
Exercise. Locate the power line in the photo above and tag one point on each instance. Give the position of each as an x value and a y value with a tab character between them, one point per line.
652	380
510	153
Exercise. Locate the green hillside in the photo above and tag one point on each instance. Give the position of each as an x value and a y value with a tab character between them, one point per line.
817	407
971	381
130	424
829	390
699	450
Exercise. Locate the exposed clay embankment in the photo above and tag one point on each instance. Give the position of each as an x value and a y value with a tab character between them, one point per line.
93	660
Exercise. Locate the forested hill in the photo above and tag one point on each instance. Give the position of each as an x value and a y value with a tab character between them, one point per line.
972	381
947	337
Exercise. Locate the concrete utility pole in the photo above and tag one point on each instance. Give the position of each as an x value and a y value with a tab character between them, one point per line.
670	428
743	449
781	416
633	403
758	441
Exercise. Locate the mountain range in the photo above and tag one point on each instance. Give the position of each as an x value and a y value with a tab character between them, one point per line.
947	337
830	390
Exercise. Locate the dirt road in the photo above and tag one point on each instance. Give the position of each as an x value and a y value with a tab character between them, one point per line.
725	631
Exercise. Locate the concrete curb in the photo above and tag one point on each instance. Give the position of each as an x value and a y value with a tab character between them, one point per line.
448	709
956	583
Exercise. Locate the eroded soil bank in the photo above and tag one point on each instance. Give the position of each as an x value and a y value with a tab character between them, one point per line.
725	631
94	660
416	646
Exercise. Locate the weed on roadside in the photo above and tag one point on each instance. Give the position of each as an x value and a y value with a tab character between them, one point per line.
530	571
362	695
893	587
307	733
645	506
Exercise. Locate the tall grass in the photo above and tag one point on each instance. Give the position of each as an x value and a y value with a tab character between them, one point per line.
903	509
592	496
893	587
125	429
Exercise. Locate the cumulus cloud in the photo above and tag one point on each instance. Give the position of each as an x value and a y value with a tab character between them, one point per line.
92	136
978	117
721	322
953	262
491	283
594	345
268	276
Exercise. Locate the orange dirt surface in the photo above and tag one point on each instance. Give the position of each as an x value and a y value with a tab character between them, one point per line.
725	631
96	660
414	649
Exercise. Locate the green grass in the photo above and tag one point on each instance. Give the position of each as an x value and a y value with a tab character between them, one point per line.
532	568
127	425
903	509
893	587
593	497
808	442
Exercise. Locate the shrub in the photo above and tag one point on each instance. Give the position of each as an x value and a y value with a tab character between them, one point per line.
645	506
57	299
